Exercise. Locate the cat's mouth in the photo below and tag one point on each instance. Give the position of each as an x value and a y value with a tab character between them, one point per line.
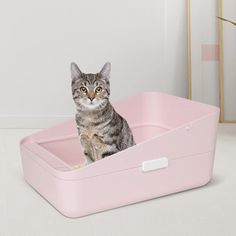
91	104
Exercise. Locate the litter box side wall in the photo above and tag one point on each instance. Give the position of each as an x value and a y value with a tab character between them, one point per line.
64	195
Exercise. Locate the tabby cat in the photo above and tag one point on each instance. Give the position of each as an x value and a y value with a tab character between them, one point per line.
102	130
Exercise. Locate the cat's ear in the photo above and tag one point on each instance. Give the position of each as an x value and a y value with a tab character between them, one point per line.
106	70
75	71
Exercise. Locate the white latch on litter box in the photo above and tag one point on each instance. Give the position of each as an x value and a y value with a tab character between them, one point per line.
155	164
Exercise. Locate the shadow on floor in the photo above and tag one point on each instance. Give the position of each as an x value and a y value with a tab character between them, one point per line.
216	180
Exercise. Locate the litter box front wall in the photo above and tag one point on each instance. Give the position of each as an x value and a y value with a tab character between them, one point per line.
117	189
75	198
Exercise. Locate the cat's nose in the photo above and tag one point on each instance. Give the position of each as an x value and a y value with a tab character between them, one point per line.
91	98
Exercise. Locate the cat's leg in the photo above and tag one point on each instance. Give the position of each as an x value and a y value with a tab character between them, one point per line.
98	147
109	150
88	157
102	149
86	144
108	153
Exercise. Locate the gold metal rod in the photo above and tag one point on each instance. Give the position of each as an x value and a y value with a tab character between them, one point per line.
189	73
221	62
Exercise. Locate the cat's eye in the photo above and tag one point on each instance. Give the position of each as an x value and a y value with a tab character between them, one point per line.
83	89
98	89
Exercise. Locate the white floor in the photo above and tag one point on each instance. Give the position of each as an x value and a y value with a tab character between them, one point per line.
210	210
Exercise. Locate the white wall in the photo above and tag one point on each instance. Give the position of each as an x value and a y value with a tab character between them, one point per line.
144	40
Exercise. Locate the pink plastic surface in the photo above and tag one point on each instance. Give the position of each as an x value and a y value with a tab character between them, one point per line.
184	131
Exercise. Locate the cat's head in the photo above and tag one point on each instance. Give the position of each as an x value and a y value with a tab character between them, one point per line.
90	91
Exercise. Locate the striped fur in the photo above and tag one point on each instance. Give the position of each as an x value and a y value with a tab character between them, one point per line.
102	130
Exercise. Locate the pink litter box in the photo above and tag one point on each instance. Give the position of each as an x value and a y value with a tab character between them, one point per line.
174	152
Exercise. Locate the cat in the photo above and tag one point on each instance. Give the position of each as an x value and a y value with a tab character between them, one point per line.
102	130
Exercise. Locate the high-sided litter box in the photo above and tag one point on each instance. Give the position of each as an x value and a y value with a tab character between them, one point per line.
175	151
